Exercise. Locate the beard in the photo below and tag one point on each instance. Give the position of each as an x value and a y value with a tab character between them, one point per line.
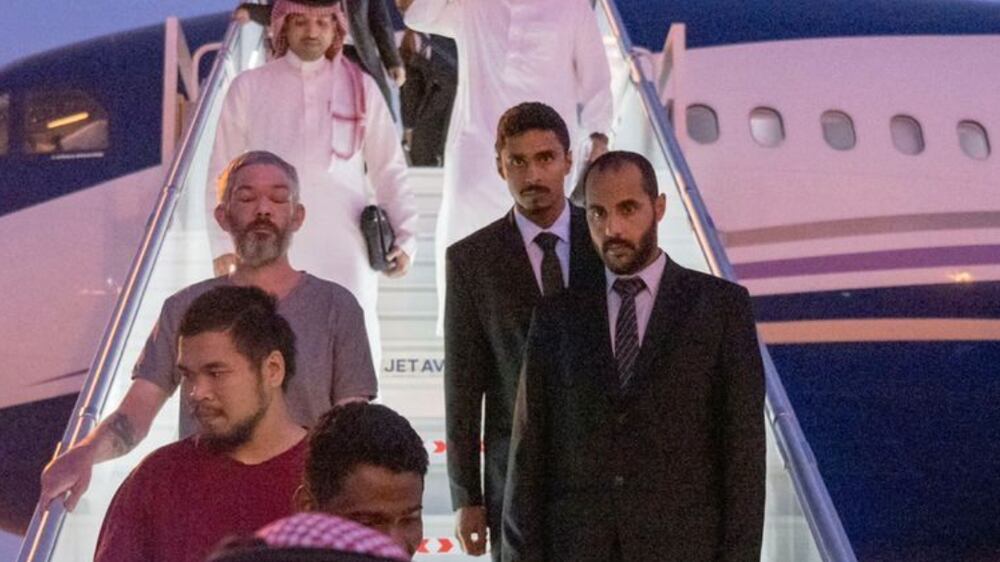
640	253
240	433
261	242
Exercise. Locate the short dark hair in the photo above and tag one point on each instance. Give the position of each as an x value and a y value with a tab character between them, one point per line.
360	433
615	160
530	116
251	318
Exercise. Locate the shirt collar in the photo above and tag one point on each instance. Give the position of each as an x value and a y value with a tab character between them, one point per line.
305	67
530	230
650	275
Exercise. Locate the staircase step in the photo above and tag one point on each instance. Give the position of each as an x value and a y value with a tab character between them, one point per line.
407	326
389	287
407	300
426	181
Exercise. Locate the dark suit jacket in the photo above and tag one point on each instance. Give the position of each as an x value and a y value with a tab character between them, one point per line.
374	40
671	468
427	97
490	298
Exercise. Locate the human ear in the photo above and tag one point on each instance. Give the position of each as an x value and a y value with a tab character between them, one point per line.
303	499
221	218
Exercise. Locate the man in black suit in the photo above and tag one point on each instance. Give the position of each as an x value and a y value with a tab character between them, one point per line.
374	43
495	278
639	425
426	99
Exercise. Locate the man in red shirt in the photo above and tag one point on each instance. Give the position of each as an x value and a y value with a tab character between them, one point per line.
367	466
240	470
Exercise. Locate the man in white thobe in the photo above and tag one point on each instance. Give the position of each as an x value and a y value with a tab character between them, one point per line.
321	113
509	52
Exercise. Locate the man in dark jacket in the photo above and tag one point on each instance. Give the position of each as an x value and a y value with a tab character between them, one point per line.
496	276
639	425
427	97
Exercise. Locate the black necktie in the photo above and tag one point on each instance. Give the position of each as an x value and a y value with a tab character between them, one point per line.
552	277
627	327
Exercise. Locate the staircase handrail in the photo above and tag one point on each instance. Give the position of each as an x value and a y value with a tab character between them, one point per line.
43	531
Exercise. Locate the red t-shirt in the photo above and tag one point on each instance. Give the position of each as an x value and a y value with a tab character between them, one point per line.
183	499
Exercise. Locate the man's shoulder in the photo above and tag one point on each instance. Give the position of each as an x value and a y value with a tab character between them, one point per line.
708	282
162	462
323	292
179	301
484	239
257	75
269	67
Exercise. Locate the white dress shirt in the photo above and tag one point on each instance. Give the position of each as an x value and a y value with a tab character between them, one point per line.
644	300
530	230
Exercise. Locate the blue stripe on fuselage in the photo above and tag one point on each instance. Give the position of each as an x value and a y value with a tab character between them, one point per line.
954	300
905	435
723	22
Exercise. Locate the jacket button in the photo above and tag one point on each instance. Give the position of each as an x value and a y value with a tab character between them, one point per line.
619	481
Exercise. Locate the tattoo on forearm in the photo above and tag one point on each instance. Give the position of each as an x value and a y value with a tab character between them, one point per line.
122	433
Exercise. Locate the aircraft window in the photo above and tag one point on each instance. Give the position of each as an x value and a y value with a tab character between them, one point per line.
702	124
975	143
907	134
4	124
62	121
766	127
838	130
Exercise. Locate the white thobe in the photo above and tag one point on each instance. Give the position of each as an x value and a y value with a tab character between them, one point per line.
509	52
284	107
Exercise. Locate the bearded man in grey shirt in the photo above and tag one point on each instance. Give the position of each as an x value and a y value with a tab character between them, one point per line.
260	209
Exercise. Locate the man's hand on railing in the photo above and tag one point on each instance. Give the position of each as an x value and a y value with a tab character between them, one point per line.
69	472
115	436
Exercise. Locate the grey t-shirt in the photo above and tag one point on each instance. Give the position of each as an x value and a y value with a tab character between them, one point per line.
333	358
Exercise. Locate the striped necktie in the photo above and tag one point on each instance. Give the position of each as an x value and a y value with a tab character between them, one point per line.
627	327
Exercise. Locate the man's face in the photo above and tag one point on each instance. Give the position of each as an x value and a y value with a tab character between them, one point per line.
535	166
622	219
386	501
309	35
260	214
227	394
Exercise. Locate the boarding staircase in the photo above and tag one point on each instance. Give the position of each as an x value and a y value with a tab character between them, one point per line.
801	524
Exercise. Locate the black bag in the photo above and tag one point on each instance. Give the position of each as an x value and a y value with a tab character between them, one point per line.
378	235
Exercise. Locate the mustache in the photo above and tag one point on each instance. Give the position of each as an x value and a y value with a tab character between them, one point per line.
535	186
612	242
204	410
262	223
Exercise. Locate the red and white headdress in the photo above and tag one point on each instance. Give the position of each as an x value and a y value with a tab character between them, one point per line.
321	530
284	8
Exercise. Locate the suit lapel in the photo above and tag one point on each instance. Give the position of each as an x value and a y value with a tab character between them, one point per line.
514	261
584	265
